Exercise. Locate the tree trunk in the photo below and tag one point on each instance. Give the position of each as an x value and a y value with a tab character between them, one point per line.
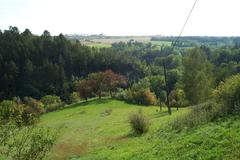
111	94
166	83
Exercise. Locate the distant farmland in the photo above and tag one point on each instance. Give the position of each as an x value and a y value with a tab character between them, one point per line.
185	42
107	41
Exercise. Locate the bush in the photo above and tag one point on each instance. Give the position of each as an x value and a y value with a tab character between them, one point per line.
141	96
50	99
26	143
149	97
54	107
121	95
37	106
21	113
139	123
199	114
7	110
74	97
6	130
227	95
32	109
11	111
52	103
177	98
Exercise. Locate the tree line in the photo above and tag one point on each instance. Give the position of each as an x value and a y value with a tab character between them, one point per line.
35	66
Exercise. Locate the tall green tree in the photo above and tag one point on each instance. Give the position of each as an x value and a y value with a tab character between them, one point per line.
197	76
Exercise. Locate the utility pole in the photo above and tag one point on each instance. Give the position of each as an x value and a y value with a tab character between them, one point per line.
166	79
166	85
172	48
163	51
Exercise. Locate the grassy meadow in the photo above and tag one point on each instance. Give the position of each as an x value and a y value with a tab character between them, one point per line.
99	130
86	128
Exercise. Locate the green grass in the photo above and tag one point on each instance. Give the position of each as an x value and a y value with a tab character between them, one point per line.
85	129
88	134
215	140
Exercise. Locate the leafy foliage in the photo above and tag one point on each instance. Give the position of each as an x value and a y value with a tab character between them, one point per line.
52	103
26	143
177	98
141	96
100	82
84	89
21	113
227	95
74	97
197	76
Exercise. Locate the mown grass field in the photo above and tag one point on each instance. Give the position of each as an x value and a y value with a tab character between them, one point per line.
87	133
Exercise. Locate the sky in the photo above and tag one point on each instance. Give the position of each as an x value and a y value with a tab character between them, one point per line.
122	17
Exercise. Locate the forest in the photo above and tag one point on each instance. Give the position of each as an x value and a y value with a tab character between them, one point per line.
42	74
35	66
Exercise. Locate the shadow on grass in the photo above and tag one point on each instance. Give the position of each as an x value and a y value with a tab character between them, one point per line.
131	134
135	104
93	101
159	114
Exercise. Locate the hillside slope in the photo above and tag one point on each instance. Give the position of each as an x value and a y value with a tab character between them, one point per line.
99	130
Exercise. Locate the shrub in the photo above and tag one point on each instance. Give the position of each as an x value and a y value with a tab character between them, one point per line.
139	123
29	115
227	95
6	130
199	114
37	106
11	111
74	97
26	143
50	99
149	97
21	113
141	96
32	109
54	107
121	95
52	103
177	98
6	108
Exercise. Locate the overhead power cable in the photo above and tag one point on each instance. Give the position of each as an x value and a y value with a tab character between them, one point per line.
173	45
184	25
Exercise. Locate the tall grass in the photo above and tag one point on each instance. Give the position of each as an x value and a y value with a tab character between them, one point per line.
198	114
139	123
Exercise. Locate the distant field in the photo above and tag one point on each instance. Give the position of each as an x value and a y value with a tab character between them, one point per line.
107	42
97	44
